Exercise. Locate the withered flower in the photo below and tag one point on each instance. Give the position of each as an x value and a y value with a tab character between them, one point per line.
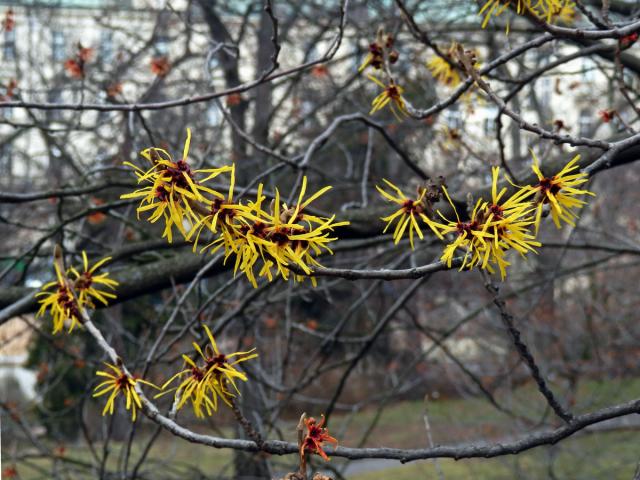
316	436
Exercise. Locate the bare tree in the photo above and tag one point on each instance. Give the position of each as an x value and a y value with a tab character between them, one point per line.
478	242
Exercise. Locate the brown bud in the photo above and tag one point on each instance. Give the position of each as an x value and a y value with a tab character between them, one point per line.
389	41
319	476
293	476
393	56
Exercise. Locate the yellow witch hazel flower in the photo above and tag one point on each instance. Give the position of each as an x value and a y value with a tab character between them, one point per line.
64	304
510	224
496	226
472	235
280	237
222	219
391	96
444	69
285	236
560	192
119	383
493	228
554	10
61	303
548	10
84	283
443	72
203	383
497	7
406	217
171	187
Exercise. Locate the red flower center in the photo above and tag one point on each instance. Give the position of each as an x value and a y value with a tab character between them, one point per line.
466	227
548	185
409	206
122	382
84	281
393	92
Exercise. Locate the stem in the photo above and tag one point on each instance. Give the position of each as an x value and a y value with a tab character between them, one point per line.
251	432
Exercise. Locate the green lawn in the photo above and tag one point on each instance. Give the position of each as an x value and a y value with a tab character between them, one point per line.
462	420
610	455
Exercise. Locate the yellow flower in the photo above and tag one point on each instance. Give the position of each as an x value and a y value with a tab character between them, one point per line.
472	235
297	213
553	10
510	223
171	188
61	302
392	96
497	7
84	283
443	72
509	232
283	236
407	215
204	383
118	382
66	305
548	10
283	240
560	192
222	219
196	386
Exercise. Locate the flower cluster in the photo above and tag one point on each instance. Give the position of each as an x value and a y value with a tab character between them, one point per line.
547	10
380	51
73	291
119	383
276	236
493	226
380	57
171	188
202	384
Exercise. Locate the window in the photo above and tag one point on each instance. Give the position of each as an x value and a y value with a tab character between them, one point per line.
306	111
620	120
9	46
588	70
311	50
628	78
214	116
57	45
161	46
212	62
452	118
6	113
106	47
54	96
585	122
5	152
490	126
546	89
5	160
